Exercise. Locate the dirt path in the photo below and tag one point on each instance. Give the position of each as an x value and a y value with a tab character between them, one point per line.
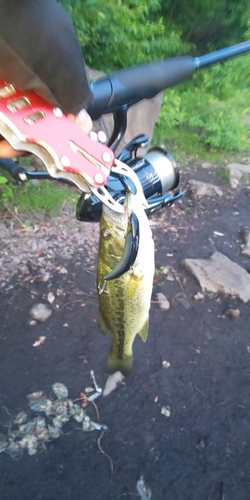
196	362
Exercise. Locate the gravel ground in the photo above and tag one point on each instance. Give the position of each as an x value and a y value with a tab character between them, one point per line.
42	243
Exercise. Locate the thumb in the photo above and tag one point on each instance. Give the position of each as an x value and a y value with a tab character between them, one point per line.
83	121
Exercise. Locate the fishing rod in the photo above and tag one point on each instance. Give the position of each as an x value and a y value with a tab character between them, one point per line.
128	86
115	93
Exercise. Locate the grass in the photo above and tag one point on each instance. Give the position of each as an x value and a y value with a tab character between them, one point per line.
42	197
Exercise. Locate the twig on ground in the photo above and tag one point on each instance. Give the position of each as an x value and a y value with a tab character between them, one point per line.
198	390
96	409
105	454
71	302
33	278
222	491
82	293
86	270
15	456
178	280
14	215
6	409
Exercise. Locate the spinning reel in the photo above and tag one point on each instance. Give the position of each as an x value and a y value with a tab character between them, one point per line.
157	172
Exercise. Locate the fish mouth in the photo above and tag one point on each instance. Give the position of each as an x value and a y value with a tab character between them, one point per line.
130	250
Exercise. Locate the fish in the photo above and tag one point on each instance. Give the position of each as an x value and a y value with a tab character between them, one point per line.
124	302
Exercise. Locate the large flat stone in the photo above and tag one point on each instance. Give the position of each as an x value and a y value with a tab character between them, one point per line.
218	274
237	169
204	188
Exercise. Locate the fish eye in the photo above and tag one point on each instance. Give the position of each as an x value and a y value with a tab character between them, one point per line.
106	234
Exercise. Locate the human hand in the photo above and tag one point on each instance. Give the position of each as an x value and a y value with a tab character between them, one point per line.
82	120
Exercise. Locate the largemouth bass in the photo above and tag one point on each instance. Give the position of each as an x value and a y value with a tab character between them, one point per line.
124	302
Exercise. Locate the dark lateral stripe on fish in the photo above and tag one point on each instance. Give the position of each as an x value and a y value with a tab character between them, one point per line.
130	250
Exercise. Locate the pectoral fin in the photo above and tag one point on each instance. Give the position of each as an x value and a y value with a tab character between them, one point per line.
144	331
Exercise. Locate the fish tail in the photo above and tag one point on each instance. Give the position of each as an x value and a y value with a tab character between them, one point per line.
115	364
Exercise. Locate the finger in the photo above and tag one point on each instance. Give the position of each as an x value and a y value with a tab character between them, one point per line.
6	151
83	121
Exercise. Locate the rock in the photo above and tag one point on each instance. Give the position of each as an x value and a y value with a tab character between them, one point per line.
234	182
204	189
51	297
201	445
32	322
45	278
165	364
246	249
163	302
143	489
40	312
141	118
40	341
184	302
233	313
218	274
237	170
206	165
165	410
112	382
199	296
63	270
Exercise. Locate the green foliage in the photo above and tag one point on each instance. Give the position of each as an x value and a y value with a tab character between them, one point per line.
211	108
208	23
6	190
3	180
206	113
121	33
43	197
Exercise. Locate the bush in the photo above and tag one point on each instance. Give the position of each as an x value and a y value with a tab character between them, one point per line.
212	107
121	33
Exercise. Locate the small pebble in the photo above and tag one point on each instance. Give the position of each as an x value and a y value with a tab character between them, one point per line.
165	364
199	296
233	313
163	302
32	322
165	410
51	297
40	312
63	270
45	278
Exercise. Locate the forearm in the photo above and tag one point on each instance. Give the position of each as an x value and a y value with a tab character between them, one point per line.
39	51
